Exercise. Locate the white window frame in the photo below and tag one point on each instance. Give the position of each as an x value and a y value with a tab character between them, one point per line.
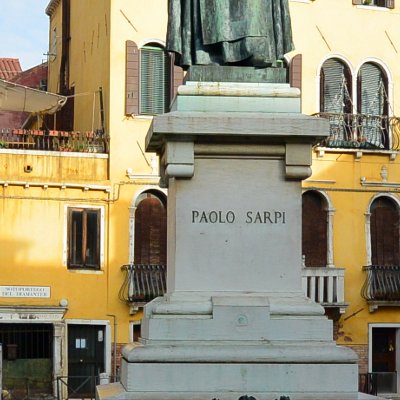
384	325
132	214
329	230
368	222
131	325
107	339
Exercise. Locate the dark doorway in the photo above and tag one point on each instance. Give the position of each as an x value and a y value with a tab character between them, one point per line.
384	359
85	359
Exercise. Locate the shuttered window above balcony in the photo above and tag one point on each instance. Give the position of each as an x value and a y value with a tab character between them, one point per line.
151	79
335	87
154	80
372	90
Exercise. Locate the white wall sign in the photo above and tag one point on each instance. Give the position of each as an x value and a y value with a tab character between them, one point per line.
25	291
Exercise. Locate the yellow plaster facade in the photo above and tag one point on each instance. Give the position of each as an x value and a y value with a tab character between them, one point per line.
33	205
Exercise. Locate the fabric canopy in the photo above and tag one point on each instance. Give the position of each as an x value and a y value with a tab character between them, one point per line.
14	97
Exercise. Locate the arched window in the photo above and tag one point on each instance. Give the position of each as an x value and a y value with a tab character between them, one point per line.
155	81
314	229
151	79
372	89
384	231
150	229
372	105
335	87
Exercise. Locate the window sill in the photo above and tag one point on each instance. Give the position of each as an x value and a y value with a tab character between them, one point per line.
358	152
86	271
143	117
373	8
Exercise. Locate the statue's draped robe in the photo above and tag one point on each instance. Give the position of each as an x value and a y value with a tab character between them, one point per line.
225	32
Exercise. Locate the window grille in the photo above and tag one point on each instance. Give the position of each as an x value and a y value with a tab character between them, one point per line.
26	341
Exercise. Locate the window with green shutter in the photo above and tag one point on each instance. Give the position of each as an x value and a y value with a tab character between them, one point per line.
155	81
372	89
335	87
151	80
336	97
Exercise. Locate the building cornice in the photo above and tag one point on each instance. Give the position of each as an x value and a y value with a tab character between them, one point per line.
52	6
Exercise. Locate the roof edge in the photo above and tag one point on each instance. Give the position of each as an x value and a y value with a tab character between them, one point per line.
51	7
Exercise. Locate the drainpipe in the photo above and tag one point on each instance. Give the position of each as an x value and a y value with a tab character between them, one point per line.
114	345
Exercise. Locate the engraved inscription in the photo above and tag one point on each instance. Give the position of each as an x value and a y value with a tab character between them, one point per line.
265	217
271	217
213	217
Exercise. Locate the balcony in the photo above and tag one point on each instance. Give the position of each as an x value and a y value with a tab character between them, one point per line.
142	284
325	286
361	131
82	142
381	286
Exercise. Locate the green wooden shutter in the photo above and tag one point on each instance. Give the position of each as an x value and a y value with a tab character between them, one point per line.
334	93
372	102
372	90
154	81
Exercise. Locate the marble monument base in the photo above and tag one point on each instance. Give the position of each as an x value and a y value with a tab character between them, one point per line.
235	320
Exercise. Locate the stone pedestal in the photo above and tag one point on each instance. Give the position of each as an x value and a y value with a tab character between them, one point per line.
235	321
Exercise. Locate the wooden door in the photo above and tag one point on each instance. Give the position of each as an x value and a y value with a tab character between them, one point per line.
85	359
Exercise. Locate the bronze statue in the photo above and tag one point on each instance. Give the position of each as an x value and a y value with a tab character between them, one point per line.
229	32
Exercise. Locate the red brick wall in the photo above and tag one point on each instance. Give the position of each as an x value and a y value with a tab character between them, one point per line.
118	357
362	353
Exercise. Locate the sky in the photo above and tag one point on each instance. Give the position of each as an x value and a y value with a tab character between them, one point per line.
24	27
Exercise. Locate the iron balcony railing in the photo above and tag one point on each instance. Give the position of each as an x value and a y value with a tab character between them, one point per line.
375	383
28	139
324	285
375	132
382	283
143	282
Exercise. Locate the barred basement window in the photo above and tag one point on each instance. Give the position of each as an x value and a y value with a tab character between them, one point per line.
155	81
83	238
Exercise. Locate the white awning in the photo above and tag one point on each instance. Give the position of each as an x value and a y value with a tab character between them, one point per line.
14	97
